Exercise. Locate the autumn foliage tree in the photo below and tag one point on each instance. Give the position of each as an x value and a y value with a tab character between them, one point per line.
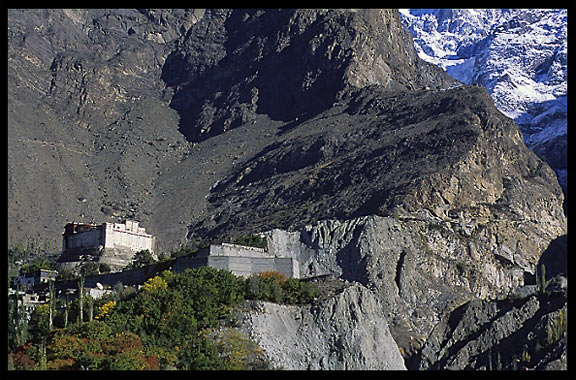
174	321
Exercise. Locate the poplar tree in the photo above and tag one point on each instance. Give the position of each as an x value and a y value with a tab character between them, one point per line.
51	306
81	299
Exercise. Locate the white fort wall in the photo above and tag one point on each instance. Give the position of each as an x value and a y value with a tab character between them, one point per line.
127	236
116	243
240	260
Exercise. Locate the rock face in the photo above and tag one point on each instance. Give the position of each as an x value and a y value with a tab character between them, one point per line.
103	103
420	267
88	130
348	331
226	69
518	333
448	153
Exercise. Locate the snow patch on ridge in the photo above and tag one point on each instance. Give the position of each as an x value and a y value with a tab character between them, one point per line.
519	55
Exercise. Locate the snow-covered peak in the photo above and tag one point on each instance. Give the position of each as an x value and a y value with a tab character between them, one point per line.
519	55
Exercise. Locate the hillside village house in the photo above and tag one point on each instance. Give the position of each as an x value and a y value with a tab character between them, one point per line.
40	276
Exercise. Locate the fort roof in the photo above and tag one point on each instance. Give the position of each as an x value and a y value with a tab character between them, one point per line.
130	226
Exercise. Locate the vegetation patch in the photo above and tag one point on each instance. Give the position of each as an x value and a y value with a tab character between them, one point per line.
173	321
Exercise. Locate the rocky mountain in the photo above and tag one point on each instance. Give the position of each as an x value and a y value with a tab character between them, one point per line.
108	106
522	332
519	55
346	332
347	150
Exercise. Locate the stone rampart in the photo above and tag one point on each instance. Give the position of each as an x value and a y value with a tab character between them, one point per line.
227	249
241	265
129	277
116	258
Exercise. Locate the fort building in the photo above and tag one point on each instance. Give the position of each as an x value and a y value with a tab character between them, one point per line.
240	260
114	244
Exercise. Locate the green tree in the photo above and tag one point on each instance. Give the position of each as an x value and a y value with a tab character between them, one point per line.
36	265
212	293
273	286
253	240
17	323
172	322
66	274
104	268
89	269
39	325
141	259
81	299
239	352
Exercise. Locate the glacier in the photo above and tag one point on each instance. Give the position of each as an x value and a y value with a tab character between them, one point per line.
519	55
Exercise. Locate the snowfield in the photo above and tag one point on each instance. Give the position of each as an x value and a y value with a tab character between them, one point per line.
519	55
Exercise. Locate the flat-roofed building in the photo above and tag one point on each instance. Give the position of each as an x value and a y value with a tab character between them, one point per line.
113	244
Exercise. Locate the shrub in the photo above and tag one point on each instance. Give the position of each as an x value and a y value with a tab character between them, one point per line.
35	265
154	283
557	328
39	322
89	269
254	240
273	286
211	293
105	309
166	325
238	351
141	259
104	268
21	358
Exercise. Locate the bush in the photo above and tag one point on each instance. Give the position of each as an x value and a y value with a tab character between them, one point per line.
237	350
66	274
104	268
105	309
212	293
35	265
89	269
255	240
168	323
141	259
154	283
273	286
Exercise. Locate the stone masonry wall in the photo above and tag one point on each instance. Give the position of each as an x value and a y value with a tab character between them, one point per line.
238	265
241	265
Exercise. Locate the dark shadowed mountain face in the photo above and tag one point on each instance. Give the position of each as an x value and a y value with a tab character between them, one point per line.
376	153
104	102
285	64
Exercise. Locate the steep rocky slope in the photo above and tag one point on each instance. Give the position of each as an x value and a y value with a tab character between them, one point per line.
88	131
388	153
351	153
102	103
526	331
348	331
